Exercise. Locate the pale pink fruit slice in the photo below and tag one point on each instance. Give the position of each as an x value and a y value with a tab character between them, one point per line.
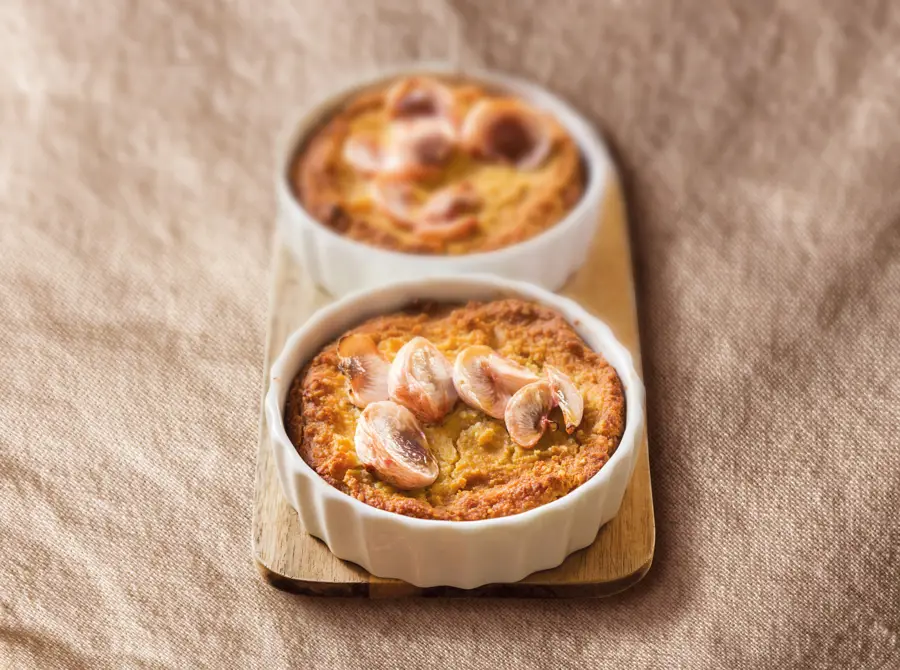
566	396
365	367
450	203
396	199
421	380
446	215
410	149
486	380
363	153
449	214
416	148
508	131
390	441
527	413
417	97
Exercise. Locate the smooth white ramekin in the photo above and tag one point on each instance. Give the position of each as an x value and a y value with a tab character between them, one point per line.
464	554
340	265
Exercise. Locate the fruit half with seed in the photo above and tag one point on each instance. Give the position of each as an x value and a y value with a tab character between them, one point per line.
366	368
507	131
566	396
363	153
486	380
421	380
527	413
420	97
390	441
409	150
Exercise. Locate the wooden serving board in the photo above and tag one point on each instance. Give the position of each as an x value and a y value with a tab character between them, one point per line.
290	559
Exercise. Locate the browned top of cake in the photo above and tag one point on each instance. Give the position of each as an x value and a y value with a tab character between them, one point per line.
474	196
482	472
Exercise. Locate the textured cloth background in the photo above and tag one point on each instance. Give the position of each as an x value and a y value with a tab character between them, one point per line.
760	150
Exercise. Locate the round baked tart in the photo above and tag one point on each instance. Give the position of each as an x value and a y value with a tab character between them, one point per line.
456	431
429	172
457	412
438	165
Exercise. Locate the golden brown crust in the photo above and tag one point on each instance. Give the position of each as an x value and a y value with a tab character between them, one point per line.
520	204
482	473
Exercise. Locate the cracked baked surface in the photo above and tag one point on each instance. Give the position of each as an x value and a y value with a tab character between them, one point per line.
483	474
518	204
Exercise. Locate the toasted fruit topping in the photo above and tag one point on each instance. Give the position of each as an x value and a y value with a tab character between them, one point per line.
421	379
527	413
486	380
416	97
449	213
417	147
410	149
566	396
363	153
390	441
397	199
446	215
450	203
365	367
509	131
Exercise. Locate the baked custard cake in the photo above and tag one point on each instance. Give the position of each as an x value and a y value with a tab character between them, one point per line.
438	166
457	412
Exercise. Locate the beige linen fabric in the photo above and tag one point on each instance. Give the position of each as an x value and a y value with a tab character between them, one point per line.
760	149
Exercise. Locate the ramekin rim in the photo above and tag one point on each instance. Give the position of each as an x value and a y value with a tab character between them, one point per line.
593	149
633	385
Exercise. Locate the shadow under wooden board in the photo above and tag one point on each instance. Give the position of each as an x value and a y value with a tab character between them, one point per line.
292	560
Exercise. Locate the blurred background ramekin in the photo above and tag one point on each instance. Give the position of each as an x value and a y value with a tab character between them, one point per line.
341	265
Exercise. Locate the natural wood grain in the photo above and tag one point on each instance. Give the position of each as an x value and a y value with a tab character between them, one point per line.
292	560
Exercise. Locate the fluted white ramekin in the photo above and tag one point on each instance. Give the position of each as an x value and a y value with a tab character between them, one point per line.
340	265
464	554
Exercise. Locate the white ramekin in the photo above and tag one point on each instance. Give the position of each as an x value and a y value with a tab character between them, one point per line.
464	554
341	265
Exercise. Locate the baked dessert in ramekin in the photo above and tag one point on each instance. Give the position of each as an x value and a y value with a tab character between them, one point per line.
428	172
485	385
520	519
438	165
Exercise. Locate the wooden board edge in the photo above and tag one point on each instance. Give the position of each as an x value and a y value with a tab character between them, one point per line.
390	590
309	588
262	433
